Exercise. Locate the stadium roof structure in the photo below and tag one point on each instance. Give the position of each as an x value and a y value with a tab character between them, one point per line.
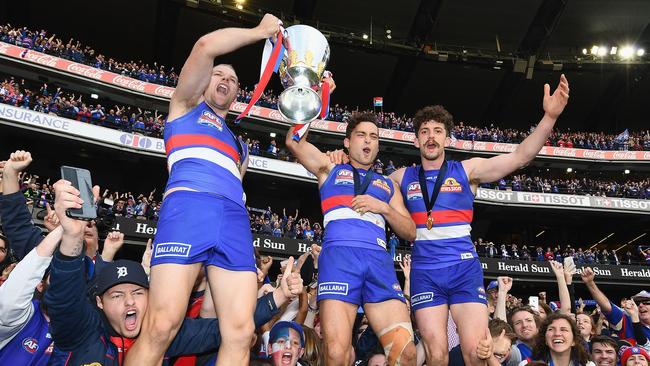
485	61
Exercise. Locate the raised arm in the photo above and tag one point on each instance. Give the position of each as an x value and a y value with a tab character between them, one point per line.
196	72
481	170
602	300
405	265
565	299
315	161
73	319
505	284
16	218
17	292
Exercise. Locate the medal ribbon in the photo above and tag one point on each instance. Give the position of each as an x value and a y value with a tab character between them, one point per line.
430	201
361	188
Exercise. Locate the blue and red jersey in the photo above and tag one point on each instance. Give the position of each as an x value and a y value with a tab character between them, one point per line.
32	345
203	154
343	225
449	241
626	330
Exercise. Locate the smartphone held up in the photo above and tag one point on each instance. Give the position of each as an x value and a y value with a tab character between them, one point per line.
80	179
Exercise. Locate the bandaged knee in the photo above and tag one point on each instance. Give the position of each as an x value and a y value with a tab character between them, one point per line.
394	339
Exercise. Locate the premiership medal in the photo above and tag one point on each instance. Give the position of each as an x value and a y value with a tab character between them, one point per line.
429	221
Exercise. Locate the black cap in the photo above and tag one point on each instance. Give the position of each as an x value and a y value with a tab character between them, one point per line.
121	271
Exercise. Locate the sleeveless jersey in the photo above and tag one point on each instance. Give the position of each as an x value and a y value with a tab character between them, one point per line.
203	154
343	225
32	345
448	242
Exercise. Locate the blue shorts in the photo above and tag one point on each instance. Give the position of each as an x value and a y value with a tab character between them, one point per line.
457	284
357	275
198	227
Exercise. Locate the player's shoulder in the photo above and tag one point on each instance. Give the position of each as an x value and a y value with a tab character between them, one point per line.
398	175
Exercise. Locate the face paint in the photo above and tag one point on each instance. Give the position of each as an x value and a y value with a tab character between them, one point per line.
282	340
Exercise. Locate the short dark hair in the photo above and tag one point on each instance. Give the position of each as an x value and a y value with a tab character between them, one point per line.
356	118
497	326
436	113
604	340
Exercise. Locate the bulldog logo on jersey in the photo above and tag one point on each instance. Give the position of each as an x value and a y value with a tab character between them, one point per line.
381	184
413	191
451	185
209	119
344	177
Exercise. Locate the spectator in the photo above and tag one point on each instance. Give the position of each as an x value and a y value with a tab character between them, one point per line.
286	343
604	351
586	326
393	242
377	358
524	321
272	150
635	356
619	320
557	342
22	317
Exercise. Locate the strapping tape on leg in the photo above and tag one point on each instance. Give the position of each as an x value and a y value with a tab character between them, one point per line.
394	339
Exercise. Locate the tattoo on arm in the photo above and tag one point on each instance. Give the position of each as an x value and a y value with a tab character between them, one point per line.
77	248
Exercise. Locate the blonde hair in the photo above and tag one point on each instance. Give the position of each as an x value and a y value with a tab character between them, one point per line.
313	348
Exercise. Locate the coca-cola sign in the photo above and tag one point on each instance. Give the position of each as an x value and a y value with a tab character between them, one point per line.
560	151
274	114
86	71
593	154
129	83
41	59
164	91
624	155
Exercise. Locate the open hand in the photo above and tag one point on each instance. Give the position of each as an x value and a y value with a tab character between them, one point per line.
554	104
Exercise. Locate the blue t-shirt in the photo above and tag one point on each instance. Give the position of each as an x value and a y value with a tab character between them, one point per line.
626	330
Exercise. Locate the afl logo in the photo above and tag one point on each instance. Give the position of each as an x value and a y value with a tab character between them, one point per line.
344	176
30	345
209	119
413	191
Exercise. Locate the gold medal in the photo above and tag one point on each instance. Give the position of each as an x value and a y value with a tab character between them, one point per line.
429	221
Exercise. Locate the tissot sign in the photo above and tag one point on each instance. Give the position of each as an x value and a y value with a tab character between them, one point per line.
564	201
286	247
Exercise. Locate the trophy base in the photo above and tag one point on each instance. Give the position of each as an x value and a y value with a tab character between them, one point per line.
299	104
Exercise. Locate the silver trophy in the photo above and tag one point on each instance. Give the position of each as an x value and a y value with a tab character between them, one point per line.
301	71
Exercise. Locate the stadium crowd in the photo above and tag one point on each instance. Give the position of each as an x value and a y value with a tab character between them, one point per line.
73	50
159	74
64	293
639	189
45	291
286	223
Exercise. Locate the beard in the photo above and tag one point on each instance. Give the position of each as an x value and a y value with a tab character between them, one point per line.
431	155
